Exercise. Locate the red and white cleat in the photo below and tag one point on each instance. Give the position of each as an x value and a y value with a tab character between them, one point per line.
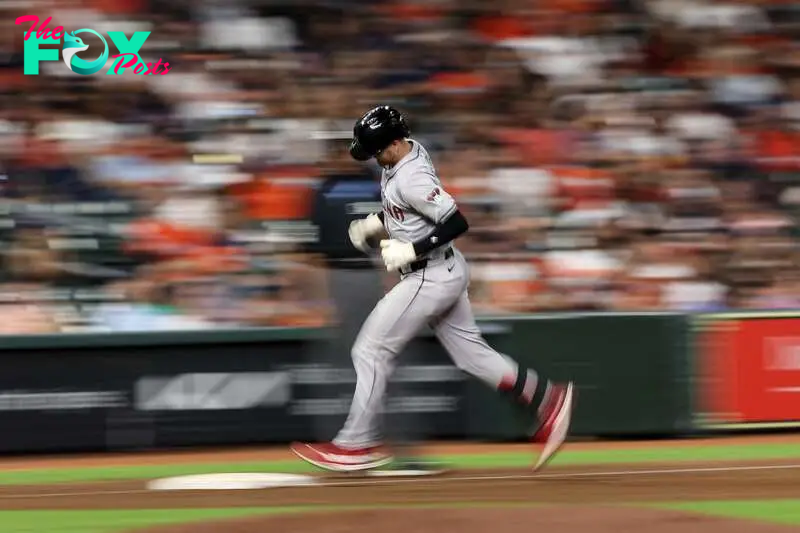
556	418
329	456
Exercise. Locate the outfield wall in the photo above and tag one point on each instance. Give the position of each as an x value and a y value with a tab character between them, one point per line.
637	375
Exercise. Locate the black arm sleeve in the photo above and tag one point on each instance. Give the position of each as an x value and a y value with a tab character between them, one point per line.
380	215
445	232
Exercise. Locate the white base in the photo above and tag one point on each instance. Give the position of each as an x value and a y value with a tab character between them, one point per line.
232	482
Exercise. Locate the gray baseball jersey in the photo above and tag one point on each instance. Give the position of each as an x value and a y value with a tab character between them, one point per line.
435	295
413	198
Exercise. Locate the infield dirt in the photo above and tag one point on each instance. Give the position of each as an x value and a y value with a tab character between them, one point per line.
567	499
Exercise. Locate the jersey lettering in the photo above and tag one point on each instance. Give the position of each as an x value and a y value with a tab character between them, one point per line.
393	211
397	213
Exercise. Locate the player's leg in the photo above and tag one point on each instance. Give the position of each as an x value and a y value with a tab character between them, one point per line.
386	331
459	334
550	402
399	315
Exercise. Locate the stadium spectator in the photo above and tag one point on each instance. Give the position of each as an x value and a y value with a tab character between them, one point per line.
610	155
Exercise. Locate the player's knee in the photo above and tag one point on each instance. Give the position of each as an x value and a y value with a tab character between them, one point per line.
366	350
360	351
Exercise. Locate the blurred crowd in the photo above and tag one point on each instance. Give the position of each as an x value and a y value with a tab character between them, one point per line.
619	155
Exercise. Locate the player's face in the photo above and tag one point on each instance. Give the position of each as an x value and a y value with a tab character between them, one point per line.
384	157
390	155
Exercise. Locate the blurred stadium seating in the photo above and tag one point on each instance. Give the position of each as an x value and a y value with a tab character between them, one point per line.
609	154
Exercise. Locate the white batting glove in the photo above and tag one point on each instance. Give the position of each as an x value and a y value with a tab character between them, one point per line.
362	229
397	254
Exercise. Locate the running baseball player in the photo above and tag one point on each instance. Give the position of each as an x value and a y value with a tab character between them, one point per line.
415	232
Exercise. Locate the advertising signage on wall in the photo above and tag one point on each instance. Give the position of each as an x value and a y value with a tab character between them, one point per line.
749	369
86	392
211	392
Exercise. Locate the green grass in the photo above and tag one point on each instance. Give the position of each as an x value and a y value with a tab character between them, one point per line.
113	521
777	511
117	521
495	460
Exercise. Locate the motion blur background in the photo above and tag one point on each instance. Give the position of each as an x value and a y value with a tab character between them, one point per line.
609	155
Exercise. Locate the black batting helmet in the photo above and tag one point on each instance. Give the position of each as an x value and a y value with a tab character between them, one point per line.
376	130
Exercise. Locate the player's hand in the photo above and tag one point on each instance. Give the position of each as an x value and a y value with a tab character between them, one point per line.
397	254
362	229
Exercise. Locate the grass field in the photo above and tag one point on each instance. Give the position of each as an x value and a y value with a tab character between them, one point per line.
778	511
663	453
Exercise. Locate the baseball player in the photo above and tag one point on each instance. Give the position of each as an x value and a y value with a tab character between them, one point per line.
415	232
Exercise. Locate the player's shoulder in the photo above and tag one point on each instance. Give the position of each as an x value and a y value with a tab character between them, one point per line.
419	166
417	177
424	158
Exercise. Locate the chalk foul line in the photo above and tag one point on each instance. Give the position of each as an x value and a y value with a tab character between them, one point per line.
564	475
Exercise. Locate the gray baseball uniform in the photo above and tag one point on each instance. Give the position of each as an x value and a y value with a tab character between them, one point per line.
413	203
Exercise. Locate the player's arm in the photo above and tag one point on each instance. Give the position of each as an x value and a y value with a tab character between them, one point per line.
444	232
423	194
430	199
